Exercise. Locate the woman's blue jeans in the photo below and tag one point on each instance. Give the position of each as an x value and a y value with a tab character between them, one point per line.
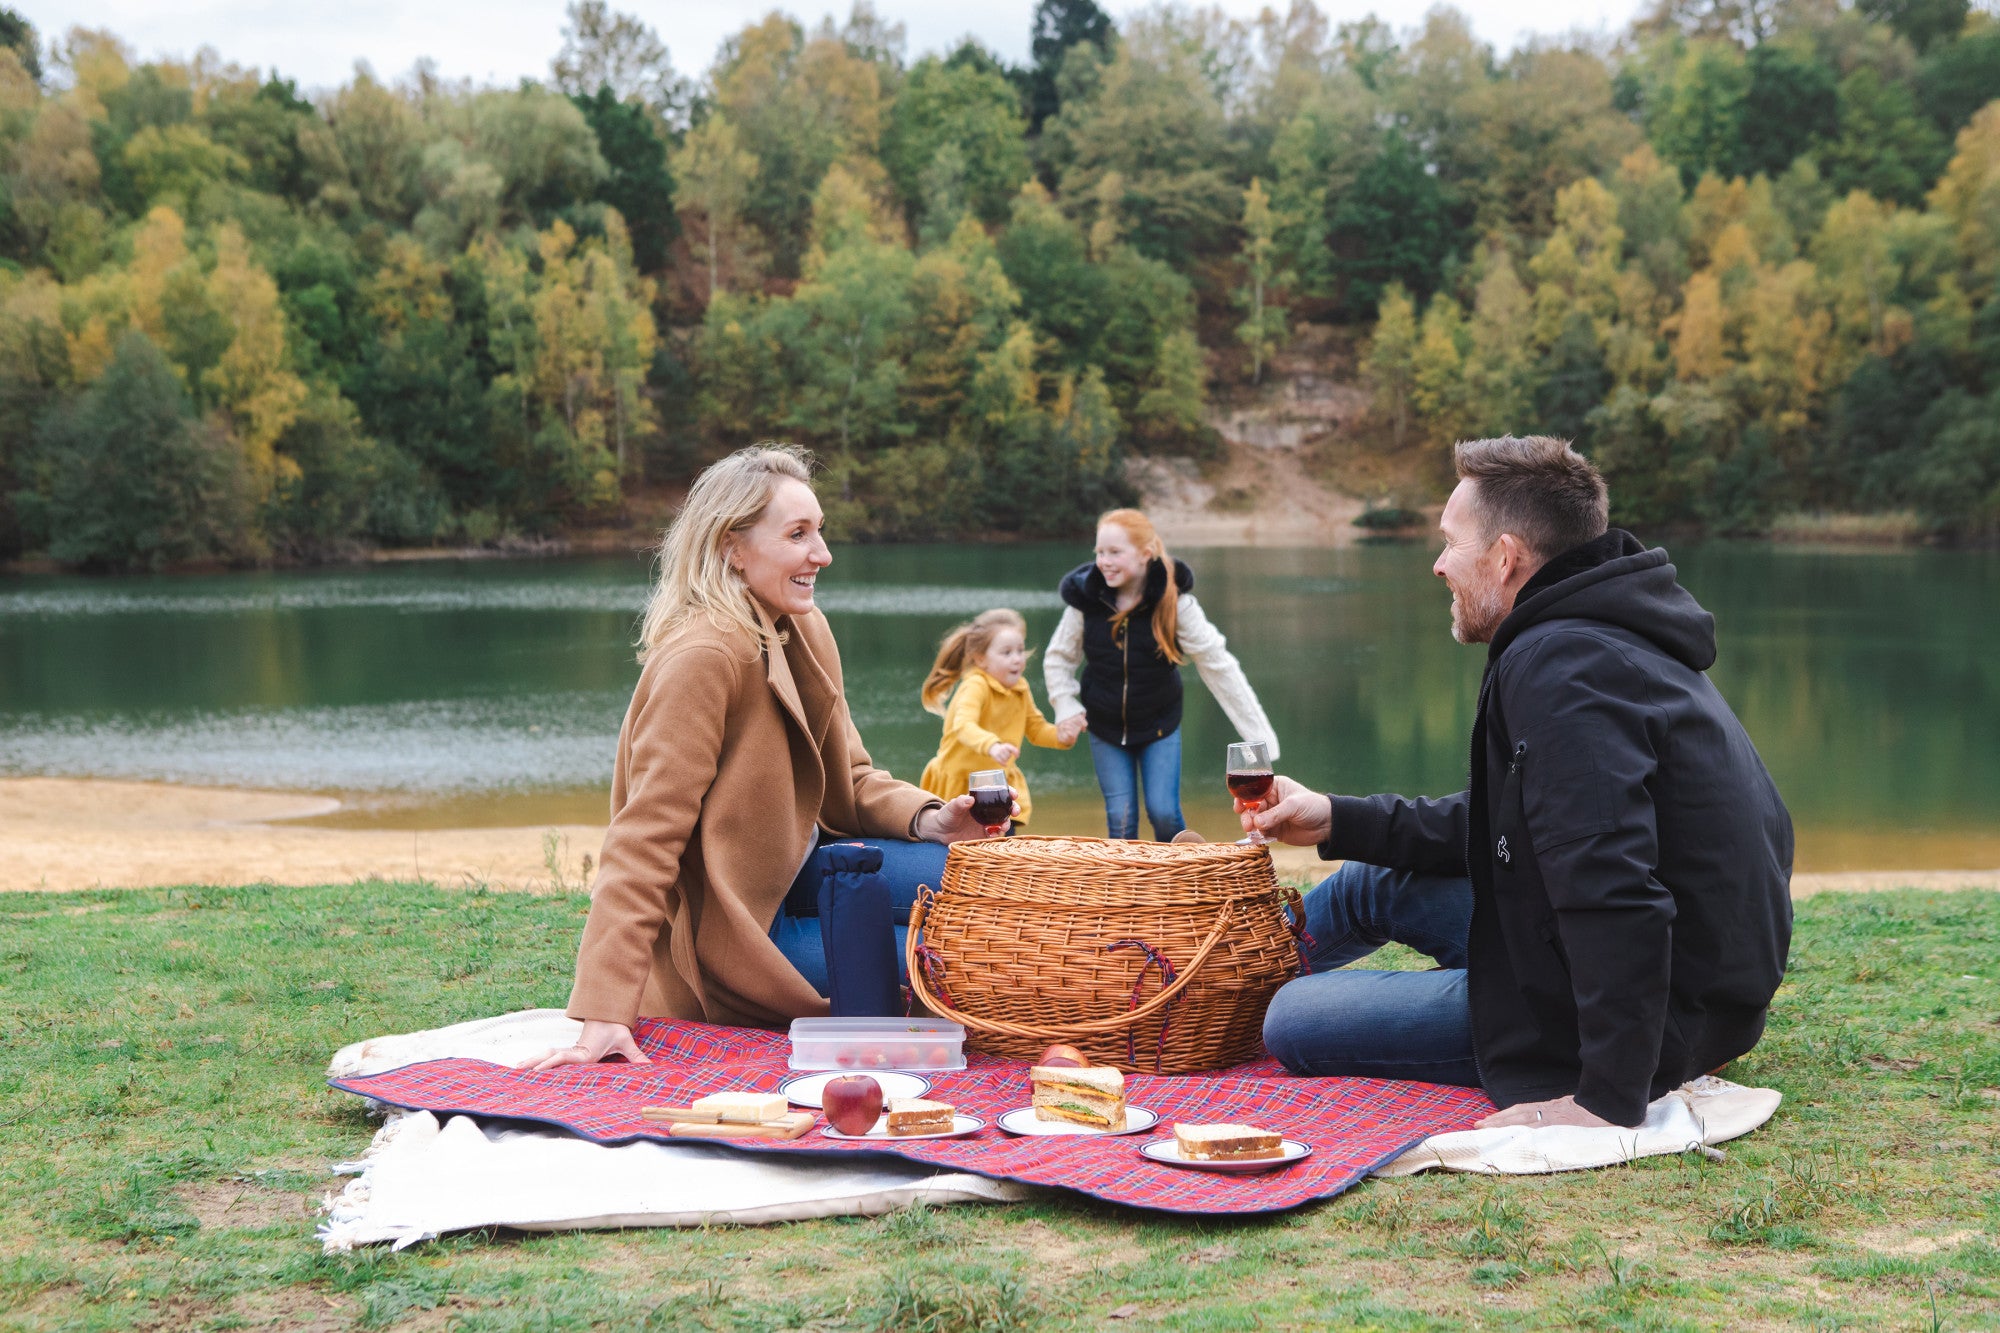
1122	771
1369	1024
850	934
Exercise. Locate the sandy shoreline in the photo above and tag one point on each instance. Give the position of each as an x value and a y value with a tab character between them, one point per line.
89	833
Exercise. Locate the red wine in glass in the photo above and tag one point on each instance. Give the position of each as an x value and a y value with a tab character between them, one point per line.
1251	787
992	800
1250	776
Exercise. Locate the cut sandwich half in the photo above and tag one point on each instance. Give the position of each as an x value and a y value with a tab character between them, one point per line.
1094	1096
1227	1143
914	1115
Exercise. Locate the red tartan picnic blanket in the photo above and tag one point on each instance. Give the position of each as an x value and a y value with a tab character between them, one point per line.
1353	1124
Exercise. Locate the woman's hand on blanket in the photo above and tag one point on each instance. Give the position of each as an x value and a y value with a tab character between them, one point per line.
1292	812
599	1040
1561	1111
953	821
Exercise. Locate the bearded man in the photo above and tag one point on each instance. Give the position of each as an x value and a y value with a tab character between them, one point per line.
1609	902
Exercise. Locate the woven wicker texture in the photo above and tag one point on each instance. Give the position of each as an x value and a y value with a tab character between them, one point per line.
1154	957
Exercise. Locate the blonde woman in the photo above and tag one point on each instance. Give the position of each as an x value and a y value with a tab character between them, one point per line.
1130	620
738	758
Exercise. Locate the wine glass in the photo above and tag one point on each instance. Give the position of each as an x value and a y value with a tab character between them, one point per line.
992	799
1250	777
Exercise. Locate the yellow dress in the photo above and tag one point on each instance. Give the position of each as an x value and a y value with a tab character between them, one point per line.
982	713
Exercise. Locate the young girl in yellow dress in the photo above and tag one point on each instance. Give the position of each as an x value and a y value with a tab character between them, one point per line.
991	712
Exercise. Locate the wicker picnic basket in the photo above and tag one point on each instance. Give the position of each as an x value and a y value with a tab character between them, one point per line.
1154	957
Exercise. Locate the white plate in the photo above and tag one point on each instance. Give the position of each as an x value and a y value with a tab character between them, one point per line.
807	1089
961	1125
1022	1121
1168	1151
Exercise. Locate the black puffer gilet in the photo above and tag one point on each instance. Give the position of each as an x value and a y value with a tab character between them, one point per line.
1131	692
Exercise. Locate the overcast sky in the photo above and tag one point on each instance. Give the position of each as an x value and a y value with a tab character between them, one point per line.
317	42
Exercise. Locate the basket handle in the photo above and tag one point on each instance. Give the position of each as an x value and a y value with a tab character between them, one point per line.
1097	1027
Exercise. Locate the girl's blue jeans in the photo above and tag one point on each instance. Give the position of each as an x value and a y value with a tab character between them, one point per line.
1122	771
1371	1024
857	935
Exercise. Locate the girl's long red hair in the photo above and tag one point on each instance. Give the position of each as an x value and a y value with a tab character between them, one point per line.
1166	615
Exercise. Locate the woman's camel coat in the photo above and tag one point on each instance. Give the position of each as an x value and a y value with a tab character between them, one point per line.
729	758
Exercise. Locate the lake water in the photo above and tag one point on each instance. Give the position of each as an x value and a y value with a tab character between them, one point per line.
431	694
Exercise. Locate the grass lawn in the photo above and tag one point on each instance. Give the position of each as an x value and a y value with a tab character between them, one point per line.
167	1135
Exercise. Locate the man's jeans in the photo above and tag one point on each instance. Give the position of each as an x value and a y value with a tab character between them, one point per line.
1121	772
1408	1025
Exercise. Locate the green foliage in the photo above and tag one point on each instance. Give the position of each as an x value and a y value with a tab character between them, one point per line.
1958	78
1059	27
19	36
430	311
960	109
636	181
1392	227
126	477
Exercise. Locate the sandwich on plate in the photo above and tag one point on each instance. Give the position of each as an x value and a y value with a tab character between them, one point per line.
914	1115
1226	1143
1093	1096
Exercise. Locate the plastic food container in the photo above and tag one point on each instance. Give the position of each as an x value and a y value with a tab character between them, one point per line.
877	1043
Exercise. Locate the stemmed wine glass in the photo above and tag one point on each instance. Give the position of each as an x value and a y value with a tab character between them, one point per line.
1251	778
992	799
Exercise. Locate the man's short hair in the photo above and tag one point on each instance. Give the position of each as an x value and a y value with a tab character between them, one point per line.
1536	487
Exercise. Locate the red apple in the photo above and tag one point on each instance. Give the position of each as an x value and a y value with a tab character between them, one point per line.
852	1102
1063	1057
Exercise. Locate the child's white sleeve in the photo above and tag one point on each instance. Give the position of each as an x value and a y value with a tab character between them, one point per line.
1060	663
1222	673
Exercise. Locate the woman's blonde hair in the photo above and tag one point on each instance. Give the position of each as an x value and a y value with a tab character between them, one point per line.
695	578
964	646
1166	614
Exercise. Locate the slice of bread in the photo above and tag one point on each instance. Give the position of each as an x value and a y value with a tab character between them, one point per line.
1227	1143
1103	1080
750	1108
914	1115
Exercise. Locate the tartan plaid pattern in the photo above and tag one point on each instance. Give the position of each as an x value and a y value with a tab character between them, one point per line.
1353	1124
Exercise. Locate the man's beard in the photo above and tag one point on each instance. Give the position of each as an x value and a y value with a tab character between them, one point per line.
1475	614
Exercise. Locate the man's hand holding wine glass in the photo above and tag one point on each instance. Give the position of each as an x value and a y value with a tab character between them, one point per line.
1291	812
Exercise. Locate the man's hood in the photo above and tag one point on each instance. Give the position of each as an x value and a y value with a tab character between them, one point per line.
1616	581
1084	587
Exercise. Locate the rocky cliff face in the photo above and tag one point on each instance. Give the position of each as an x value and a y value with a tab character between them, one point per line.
1290	474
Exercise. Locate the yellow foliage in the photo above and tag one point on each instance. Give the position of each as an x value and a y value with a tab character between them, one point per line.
158	248
1577	266
594	340
97	60
250	382
1968	195
1437	372
408	286
1749	205
1697	330
1785	343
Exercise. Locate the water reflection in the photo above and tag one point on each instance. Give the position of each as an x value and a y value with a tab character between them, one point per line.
490	692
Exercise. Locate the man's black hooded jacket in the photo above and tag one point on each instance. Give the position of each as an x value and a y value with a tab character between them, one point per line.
1630	857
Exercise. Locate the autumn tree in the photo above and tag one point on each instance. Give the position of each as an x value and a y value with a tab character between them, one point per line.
1263	328
606	50
1390	362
